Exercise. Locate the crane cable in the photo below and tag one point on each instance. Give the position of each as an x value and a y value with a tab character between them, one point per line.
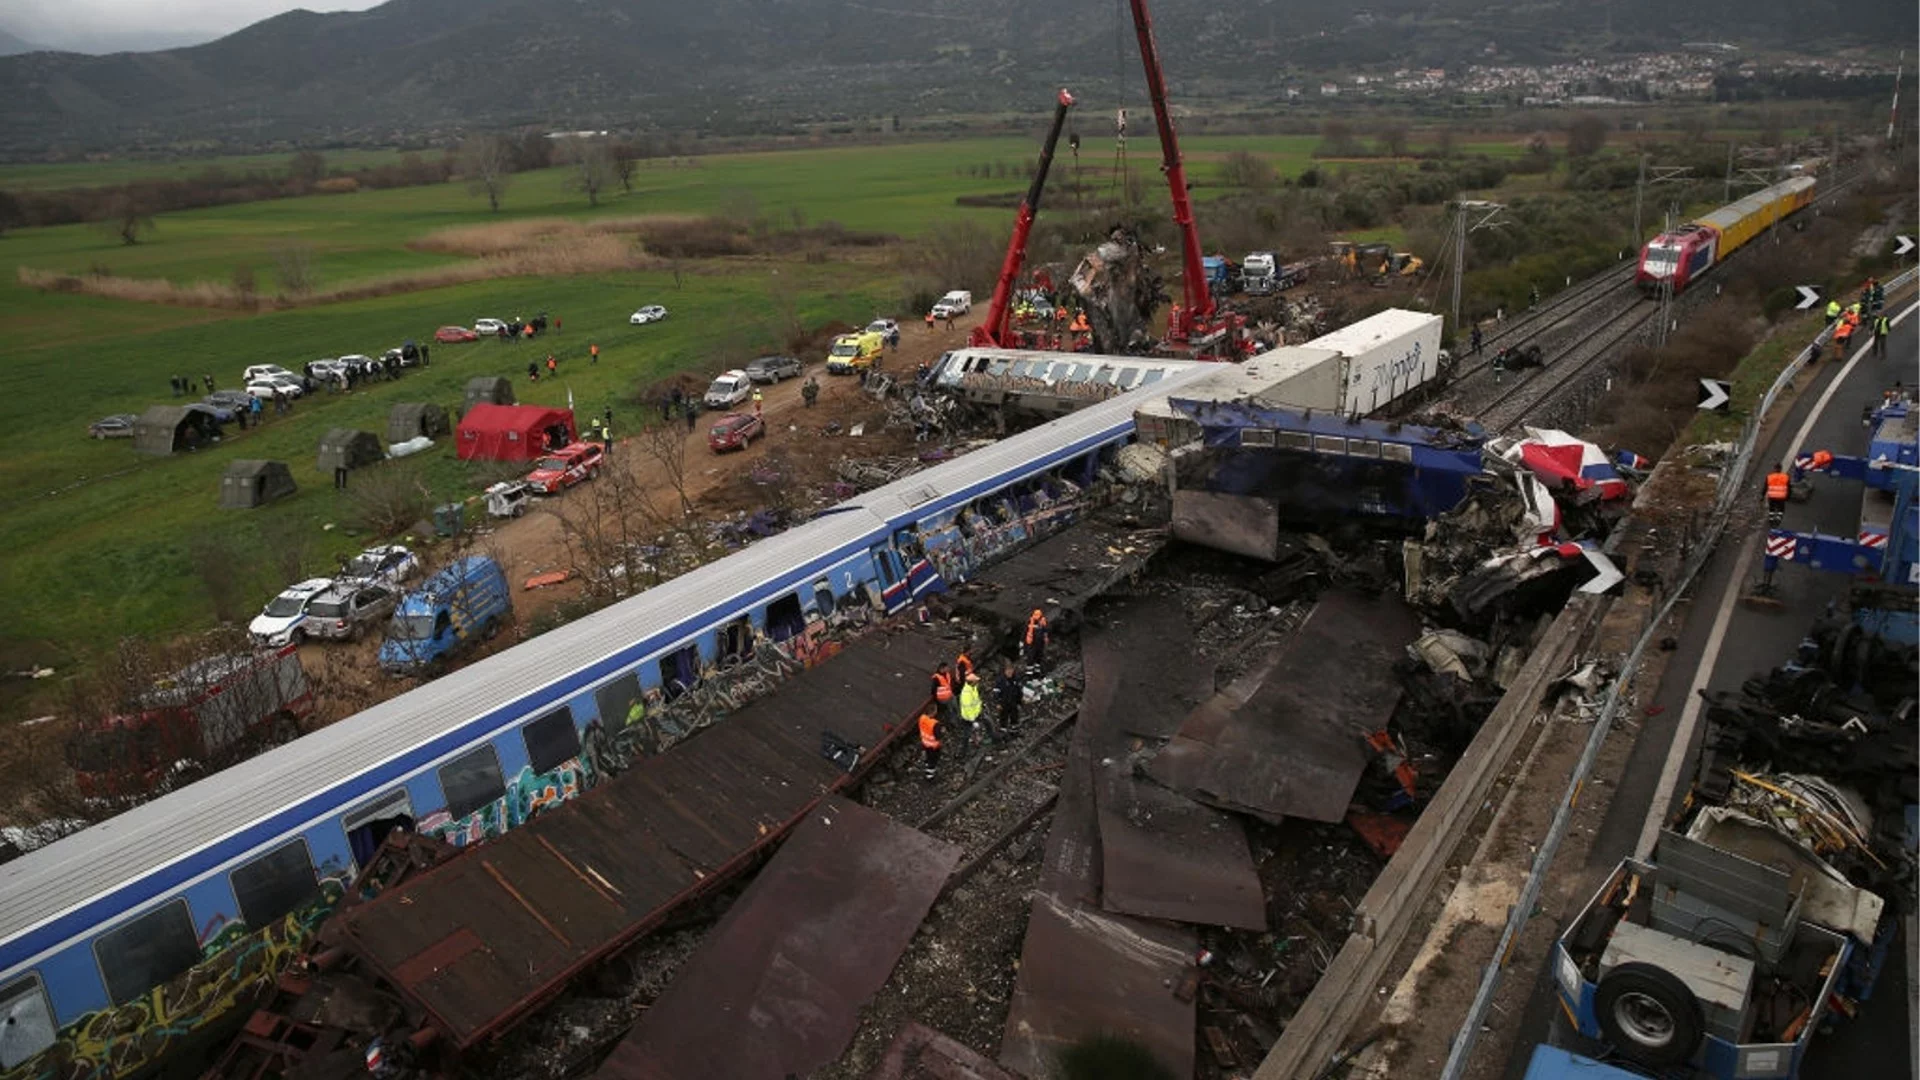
1117	177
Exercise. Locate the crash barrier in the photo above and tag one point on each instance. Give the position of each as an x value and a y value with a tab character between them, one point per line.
1726	495
1383	917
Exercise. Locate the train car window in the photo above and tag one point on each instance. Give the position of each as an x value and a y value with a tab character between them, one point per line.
616	699
275	883
1127	378
552	740
368	824
785	617
1364	447
26	1021
1400	452
823	598
1152	376
736	640
1293	440
907	542
679	671
471	781
138	956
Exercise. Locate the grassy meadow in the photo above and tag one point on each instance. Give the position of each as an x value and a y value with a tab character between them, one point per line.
101	542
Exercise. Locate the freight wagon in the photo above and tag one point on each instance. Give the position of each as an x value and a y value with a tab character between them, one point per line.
1681	256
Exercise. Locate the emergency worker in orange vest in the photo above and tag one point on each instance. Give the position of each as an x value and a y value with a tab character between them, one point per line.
962	666
929	742
1034	645
1778	486
943	692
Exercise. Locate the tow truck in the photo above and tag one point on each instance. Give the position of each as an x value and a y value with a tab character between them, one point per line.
1884	552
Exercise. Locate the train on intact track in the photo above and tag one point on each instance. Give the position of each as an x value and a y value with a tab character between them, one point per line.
1679	257
125	942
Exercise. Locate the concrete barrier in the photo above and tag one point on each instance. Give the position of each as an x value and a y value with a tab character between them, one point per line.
1325	1021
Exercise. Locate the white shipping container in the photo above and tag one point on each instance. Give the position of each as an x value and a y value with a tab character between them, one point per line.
1386	355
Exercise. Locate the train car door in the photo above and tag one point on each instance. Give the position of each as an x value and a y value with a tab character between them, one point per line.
368	824
922	578
893	585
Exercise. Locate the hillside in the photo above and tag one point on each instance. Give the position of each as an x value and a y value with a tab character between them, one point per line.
435	67
13	45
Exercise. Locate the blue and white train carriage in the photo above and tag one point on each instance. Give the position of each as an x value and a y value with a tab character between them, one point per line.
121	942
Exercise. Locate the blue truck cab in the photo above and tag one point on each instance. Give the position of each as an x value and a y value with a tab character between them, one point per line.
464	602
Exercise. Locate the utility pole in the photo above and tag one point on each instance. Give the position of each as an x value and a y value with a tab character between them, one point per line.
1666	290
1727	196
1662	174
1489	220
1639	186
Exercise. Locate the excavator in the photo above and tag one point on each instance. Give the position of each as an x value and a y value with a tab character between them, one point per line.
996	330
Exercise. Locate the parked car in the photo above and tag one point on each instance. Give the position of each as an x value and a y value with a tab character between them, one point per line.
229	399
957	302
279	623
734	431
652	313
771	369
730	389
265	385
387	564
261	371
488	327
462	603
330	370
566	467
509	498
887	329
221	414
454	335
345	611
117	426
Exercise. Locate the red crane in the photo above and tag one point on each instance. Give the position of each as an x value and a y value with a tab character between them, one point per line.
1195	315
995	331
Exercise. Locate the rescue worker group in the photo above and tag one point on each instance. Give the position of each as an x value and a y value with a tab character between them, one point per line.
1844	323
957	710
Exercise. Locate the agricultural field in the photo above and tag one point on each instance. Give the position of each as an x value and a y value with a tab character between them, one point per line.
101	542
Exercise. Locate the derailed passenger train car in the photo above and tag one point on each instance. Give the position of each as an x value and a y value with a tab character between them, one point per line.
129	942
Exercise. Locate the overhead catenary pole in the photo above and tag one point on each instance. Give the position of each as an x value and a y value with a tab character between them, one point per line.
1639	190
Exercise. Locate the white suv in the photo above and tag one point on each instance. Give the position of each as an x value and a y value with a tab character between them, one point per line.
730	389
279	622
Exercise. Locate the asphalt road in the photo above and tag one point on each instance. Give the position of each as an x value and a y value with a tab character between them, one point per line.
1751	641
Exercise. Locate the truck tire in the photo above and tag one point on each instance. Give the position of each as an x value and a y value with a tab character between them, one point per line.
1649	1015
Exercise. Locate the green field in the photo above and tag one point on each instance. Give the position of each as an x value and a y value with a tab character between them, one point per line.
100	542
31	177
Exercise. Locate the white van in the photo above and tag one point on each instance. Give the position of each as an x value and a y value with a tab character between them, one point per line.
730	389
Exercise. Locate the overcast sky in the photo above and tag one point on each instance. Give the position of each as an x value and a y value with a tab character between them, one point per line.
96	25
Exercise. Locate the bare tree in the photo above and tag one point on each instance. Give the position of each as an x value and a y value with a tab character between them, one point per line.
592	168
487	163
245	285
1443	145
666	446
624	155
293	266
306	169
606	531
389	499
127	217
1393	139
1242	169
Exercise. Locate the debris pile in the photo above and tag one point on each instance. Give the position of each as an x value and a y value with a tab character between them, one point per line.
1120	290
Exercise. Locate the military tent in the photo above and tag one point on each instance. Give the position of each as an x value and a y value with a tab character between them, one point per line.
163	429
513	432
248	483
412	419
488	390
345	448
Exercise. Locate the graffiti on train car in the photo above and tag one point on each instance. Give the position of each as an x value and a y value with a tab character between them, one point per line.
133	1037
529	794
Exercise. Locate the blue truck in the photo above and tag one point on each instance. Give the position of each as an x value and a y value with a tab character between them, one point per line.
465	602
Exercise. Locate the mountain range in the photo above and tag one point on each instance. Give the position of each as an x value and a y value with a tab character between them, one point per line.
436	68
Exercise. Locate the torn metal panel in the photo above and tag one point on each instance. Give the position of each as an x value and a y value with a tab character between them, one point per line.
1066	570
477	942
921	1053
1084	971
1161	854
776	989
1242	524
1295	748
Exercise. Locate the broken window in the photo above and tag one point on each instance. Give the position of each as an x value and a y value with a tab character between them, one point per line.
785	618
27	1027
736	641
368	824
616	698
883	565
679	671
823	598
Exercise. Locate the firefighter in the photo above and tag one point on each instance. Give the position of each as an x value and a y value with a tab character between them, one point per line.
1778	485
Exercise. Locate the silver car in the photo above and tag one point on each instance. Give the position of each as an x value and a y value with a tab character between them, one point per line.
344	611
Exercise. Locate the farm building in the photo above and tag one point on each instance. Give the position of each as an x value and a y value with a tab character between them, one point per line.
250	483
513	432
412	419
345	448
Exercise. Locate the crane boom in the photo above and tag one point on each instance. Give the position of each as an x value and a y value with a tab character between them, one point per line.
994	330
1193	275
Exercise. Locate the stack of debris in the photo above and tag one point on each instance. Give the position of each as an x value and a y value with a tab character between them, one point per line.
1119	290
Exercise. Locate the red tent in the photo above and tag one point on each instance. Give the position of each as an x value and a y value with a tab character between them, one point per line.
513	432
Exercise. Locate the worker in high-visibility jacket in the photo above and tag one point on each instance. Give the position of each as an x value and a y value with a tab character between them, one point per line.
971	707
929	742
1034	646
1842	337
1779	484
1833	311
1882	326
942	690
